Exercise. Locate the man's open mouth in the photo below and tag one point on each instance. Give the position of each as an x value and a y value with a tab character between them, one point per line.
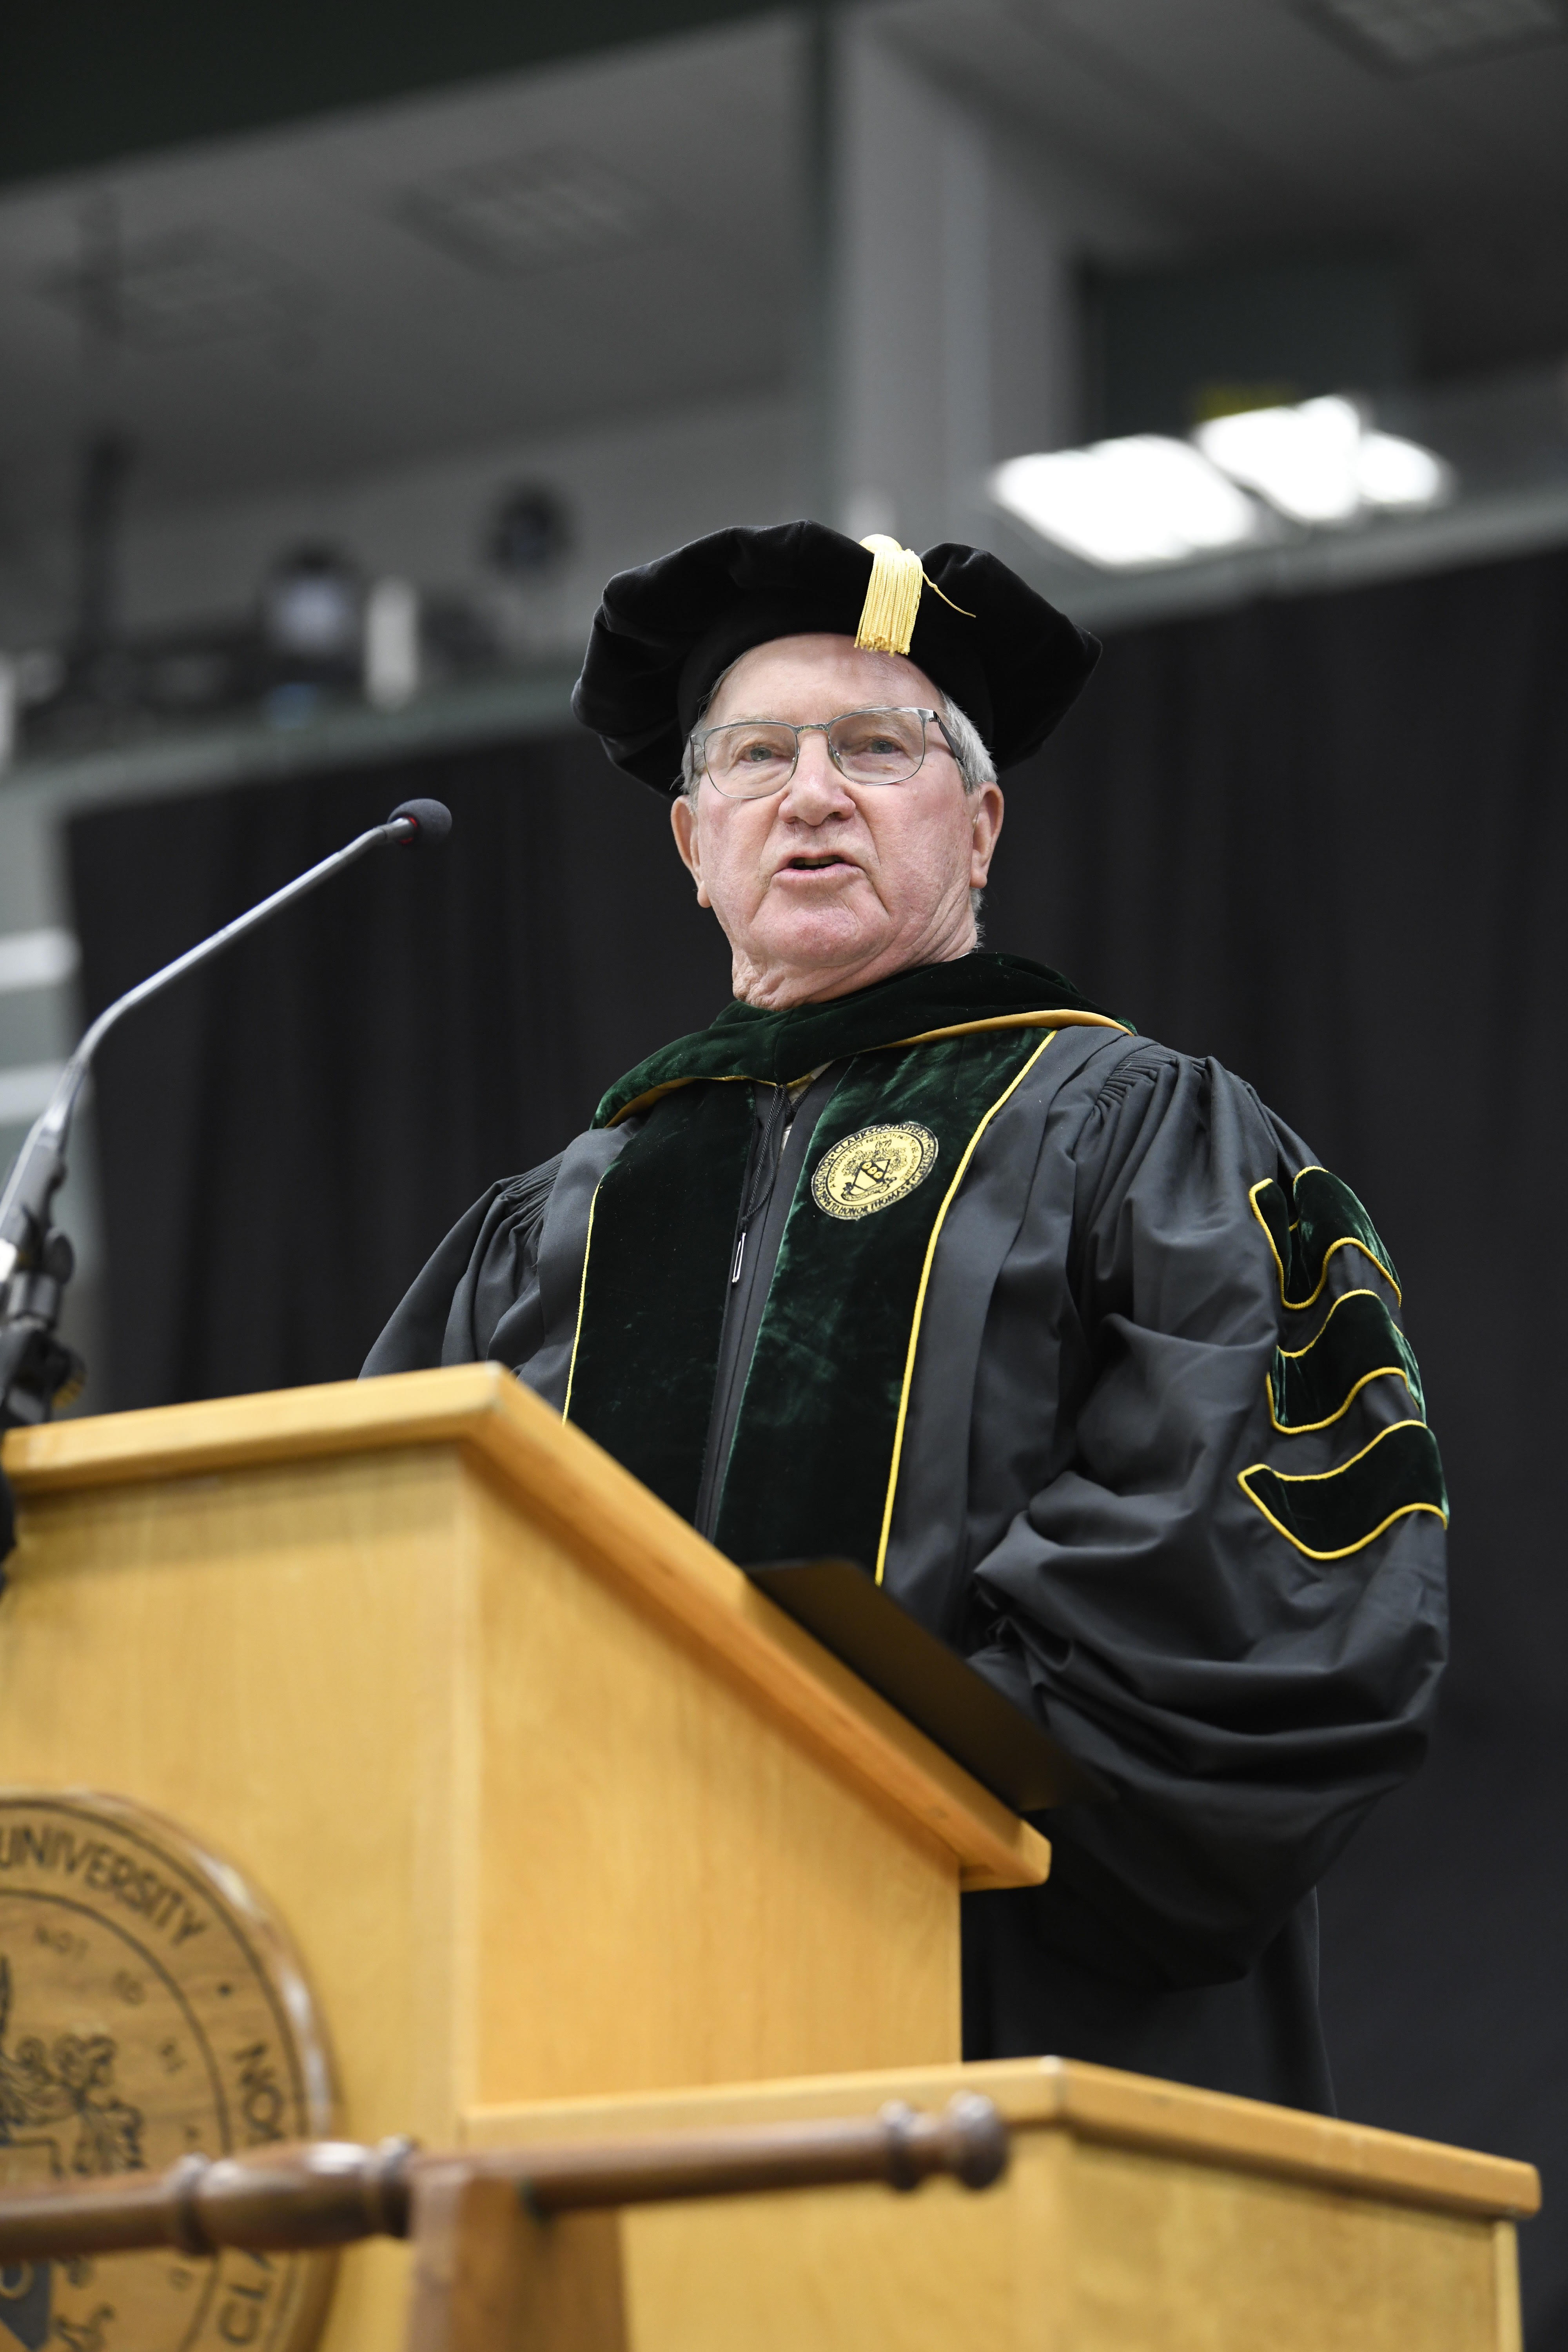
827	861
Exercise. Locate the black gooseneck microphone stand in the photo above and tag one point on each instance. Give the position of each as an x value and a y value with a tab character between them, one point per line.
38	1372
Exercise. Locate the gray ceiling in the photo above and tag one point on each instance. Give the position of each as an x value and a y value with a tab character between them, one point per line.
290	310
92	81
1248	126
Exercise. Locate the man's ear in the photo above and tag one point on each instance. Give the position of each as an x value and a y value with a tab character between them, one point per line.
683	824
986	808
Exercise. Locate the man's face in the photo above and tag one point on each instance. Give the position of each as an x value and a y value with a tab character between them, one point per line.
827	886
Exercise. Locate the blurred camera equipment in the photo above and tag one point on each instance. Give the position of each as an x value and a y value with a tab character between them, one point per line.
529	532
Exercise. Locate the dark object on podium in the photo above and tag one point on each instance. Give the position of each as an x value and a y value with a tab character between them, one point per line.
943	1695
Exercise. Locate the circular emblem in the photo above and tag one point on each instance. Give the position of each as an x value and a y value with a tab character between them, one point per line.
148	2007
872	1169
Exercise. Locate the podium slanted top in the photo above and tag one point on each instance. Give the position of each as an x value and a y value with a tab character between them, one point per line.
553	1472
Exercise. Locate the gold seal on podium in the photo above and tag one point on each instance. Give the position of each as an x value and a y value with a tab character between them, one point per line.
150	2006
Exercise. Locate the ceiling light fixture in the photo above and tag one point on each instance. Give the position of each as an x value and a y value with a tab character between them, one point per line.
1393	473
528	213
1319	464
1408	37
1129	504
184	287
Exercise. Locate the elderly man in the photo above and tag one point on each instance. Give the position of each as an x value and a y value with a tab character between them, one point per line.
916	1257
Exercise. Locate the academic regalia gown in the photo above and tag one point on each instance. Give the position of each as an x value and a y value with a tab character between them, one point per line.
1158	1458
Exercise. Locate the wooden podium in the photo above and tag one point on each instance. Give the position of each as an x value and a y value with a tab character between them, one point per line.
552	1800
562	1814
1134	2216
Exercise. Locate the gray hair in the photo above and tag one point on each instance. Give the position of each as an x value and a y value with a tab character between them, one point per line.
974	763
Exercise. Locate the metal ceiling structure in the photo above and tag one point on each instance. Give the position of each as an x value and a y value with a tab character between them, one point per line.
89	82
350	295
319	298
1250	125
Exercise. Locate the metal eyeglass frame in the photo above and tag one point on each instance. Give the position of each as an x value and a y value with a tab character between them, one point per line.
820	727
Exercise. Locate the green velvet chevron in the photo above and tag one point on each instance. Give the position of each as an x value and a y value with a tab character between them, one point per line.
1329	1514
1327	1218
1358	1342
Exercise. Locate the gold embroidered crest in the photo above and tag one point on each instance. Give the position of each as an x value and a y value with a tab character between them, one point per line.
872	1169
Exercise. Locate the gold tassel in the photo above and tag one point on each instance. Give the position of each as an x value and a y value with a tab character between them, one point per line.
892	597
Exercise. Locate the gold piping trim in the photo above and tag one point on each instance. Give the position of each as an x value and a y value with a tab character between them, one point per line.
1305	1428
925	1037
673	1085
1294	1356
582	1300
921	1295
1010	1021
1318	1478
1347	1241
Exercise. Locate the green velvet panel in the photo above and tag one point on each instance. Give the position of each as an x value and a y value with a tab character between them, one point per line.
1342	1510
657	1279
1328	1217
812	1452
781	1046
1358	1340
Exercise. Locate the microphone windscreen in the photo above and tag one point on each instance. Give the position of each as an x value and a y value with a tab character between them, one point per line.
432	820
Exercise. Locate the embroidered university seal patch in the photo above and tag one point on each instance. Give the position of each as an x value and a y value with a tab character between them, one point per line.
872	1169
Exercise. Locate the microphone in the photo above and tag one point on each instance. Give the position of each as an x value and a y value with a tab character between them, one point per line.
36	1264
429	821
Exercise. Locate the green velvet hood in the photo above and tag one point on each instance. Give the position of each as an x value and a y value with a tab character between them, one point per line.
933	999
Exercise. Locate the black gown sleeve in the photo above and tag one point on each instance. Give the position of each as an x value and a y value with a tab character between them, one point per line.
474	1282
1215	1604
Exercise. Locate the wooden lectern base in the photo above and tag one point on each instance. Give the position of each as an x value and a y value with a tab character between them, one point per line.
1136	2216
562	1813
552	1801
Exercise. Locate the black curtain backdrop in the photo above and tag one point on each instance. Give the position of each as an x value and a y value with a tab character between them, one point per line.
1325	840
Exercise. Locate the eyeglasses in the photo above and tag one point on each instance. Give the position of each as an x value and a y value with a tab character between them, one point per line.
751	758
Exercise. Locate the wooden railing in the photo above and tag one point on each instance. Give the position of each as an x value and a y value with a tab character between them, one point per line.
480	2221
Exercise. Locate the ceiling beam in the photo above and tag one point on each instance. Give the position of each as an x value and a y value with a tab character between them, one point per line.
88	82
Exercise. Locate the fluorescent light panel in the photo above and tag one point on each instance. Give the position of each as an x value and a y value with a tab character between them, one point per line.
1143	501
528	212
188	286
1131	504
1393	473
1318	465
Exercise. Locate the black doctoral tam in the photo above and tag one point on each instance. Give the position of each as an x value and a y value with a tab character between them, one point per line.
665	632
